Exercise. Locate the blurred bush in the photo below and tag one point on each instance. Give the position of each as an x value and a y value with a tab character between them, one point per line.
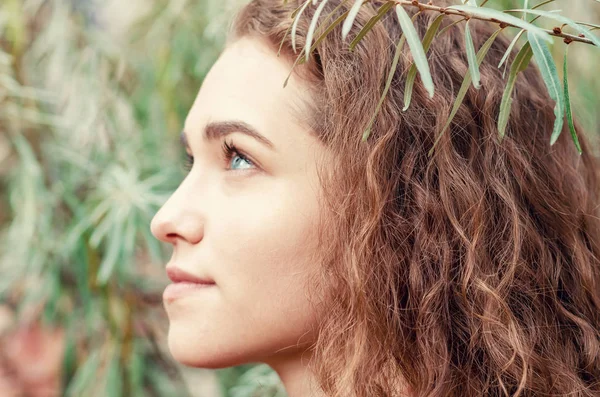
93	96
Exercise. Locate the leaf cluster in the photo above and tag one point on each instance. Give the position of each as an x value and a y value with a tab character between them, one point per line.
536	46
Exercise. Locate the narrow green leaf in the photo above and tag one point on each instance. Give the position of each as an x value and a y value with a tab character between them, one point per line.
82	275
283	40
568	104
503	17
465	85
84	375
53	293
543	3
412	73
351	17
543	58
295	12
519	64
390	78
591	25
471	57
69	361
313	27
431	31
512	44
316	43
510	47
388	83
416	48
328	30
114	378
295	24
560	18
332	13
111	256
369	25
444	30
136	370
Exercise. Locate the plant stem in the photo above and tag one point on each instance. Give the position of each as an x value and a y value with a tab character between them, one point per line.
447	11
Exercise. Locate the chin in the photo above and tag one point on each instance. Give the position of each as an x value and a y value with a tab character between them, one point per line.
194	352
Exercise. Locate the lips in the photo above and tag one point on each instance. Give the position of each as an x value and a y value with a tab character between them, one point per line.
178	275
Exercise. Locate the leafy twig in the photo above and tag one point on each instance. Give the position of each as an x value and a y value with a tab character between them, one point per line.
460	12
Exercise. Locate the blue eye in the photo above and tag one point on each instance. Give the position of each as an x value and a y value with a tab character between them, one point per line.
237	160
235	157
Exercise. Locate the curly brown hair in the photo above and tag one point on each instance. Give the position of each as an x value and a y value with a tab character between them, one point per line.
474	271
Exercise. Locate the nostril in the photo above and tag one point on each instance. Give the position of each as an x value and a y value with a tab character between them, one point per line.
162	230
172	236
171	224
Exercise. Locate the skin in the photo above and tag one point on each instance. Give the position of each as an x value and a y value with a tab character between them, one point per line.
248	225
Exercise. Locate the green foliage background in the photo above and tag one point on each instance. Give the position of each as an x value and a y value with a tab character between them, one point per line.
92	98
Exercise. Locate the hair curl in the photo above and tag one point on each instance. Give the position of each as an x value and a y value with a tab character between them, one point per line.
472	272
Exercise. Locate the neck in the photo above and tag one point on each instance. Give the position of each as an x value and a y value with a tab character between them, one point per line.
300	382
295	375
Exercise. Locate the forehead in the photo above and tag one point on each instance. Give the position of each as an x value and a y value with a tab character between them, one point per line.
246	83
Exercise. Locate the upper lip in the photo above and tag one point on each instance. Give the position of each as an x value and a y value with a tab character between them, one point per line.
178	275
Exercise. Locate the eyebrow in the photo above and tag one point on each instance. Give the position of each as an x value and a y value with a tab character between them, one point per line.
219	129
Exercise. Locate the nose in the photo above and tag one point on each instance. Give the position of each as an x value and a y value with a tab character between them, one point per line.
177	220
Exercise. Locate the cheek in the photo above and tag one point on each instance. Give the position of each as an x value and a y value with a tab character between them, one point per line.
267	252
260	249
269	233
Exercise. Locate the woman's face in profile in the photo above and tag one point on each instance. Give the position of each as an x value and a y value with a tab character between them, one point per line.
244	219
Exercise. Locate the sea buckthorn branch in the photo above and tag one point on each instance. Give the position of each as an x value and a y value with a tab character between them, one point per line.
536	47
450	11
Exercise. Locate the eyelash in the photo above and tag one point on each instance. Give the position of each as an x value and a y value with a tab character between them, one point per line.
228	150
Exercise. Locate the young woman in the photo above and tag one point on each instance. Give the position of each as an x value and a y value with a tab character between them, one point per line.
369	268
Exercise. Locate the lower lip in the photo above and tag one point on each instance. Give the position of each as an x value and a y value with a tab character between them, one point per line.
179	290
